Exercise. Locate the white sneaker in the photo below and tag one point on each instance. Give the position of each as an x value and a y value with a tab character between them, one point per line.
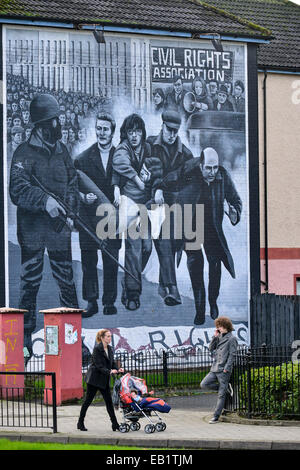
213	420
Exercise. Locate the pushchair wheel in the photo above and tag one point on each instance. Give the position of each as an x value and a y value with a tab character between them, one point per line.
135	426
160	427
149	428
124	427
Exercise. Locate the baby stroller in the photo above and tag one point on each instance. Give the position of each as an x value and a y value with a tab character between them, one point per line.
132	411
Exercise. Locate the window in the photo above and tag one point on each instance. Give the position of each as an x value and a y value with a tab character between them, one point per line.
42	52
55	52
31	51
48	52
65	52
73	52
89	53
80	52
9	52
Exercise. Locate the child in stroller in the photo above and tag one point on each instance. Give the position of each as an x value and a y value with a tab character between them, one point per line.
137	396
130	393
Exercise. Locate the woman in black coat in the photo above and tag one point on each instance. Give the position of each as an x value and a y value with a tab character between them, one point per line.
98	378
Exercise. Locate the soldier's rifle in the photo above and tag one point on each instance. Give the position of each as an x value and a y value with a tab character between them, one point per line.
80	223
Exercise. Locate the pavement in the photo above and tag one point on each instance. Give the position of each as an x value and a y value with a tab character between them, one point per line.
187	428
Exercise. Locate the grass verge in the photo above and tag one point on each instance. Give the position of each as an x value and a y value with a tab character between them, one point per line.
6	444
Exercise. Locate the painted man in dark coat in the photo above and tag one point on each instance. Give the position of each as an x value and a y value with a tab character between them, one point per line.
222	102
239	101
210	184
96	163
173	154
174	99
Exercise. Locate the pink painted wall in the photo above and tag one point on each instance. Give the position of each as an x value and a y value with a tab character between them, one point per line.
282	273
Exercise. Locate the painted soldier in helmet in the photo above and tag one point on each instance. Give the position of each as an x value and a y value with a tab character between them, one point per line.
44	157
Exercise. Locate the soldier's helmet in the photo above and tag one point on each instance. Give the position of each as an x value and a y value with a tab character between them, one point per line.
43	107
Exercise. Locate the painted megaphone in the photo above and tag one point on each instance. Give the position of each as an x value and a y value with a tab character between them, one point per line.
189	102
193	102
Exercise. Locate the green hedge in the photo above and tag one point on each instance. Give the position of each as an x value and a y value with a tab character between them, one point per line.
274	391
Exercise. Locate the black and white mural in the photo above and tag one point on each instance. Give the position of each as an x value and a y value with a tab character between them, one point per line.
126	178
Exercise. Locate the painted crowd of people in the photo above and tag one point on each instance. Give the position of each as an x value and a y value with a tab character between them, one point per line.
75	109
200	96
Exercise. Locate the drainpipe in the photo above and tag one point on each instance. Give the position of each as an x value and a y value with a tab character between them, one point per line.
266	283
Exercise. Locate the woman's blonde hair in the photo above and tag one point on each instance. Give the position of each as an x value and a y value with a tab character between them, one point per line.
100	334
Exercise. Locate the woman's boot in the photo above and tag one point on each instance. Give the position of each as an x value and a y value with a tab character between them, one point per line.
81	426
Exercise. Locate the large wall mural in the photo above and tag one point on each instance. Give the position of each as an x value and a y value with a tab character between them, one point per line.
139	124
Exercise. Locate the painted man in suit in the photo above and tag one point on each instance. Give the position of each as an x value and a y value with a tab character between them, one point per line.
239	100
174	99
96	163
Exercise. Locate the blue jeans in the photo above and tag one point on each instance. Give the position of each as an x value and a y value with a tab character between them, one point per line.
217	381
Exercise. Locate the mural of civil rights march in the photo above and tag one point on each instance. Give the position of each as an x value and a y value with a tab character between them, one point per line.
132	121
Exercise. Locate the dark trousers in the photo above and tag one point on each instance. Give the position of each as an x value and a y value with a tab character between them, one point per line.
90	286
137	254
166	248
91	391
32	263
217	381
166	256
195	264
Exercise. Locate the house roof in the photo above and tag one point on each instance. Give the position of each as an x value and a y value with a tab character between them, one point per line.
276	19
192	16
282	18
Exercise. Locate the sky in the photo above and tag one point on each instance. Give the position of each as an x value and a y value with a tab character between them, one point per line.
295	1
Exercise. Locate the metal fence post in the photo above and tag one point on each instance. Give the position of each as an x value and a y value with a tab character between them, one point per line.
54	411
249	398
165	368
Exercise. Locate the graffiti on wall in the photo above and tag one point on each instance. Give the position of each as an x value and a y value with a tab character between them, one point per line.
155	132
